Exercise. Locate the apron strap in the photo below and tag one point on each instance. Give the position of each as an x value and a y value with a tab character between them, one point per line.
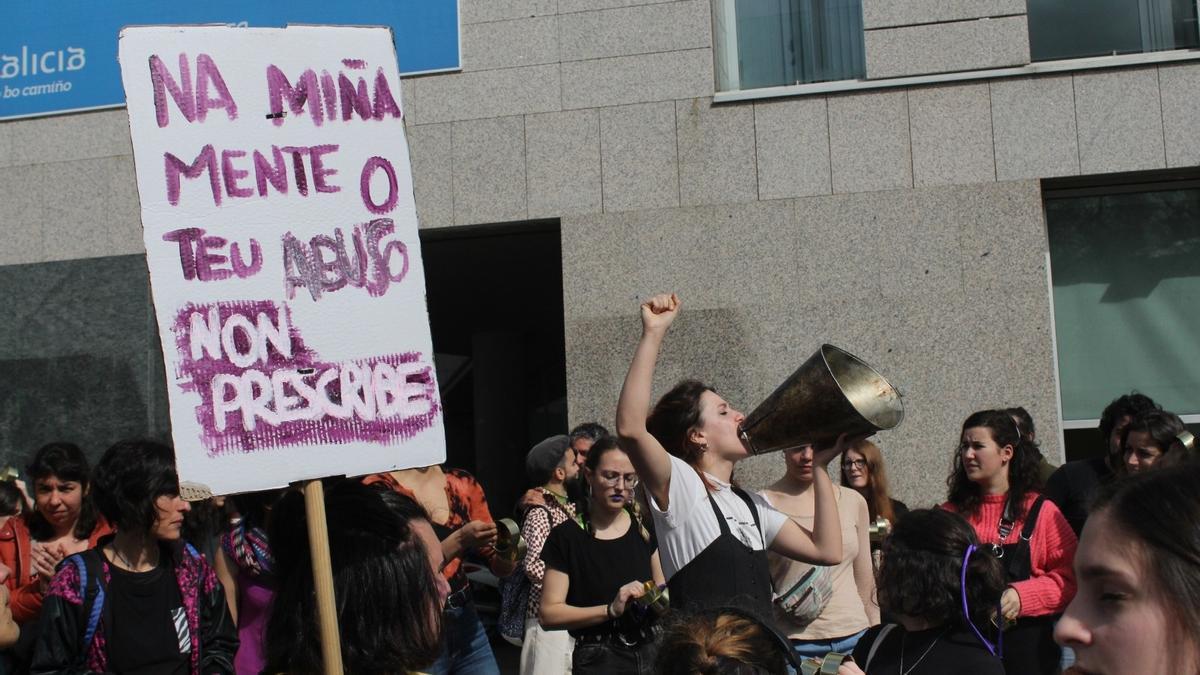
753	512
1031	518
720	516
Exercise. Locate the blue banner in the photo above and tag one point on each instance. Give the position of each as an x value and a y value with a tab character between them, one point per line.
61	56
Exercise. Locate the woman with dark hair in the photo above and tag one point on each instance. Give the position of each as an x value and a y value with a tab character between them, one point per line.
593	575
1149	438
389	593
63	521
1138	603
941	588
458	509
994	486
864	471
713	535
143	600
245	566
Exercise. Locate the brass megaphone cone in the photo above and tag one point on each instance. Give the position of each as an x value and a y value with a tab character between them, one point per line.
832	393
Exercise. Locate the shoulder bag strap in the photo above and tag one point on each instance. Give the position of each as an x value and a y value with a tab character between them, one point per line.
883	633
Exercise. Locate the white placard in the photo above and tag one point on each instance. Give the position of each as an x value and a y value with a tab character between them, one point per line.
281	236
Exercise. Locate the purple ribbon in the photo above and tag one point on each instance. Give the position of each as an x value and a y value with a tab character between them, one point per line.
993	649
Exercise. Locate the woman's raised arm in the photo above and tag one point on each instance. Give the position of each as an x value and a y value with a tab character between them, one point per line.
649	458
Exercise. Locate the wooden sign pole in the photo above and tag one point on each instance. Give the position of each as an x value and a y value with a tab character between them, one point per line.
318	545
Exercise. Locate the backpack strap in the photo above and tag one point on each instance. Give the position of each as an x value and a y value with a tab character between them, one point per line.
90	570
883	633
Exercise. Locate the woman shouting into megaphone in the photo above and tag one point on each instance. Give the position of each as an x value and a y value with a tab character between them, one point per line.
713	536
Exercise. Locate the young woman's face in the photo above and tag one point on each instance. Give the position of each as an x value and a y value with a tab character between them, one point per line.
613	481
719	425
982	458
855	470
1117	622
799	463
169	523
59	501
1141	452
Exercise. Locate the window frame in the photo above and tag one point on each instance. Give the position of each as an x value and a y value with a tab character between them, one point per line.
1097	186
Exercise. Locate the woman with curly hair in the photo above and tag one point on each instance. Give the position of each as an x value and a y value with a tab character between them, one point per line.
941	587
1151	437
994	485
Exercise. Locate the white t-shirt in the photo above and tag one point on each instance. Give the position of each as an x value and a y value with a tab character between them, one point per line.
689	525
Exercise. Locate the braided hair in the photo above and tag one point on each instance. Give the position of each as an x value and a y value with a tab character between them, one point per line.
583	504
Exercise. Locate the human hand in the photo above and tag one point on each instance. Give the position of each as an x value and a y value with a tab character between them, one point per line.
1010	604
850	668
44	559
822	456
531	497
631	590
477	533
5	573
658	312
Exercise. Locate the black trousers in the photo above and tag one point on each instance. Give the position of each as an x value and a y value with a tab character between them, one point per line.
613	658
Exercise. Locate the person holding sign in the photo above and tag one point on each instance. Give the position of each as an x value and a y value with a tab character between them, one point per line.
713	536
385	574
143	600
459	512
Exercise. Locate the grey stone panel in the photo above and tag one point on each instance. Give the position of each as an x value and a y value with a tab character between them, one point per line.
839	228
1120	121
480	11
599	252
639	158
510	44
81	209
792	144
430	150
489	170
890	13
563	157
626	31
919	252
492	93
637	79
754	250
1033	121
1180	87
65	137
869	141
716	153
408	100
947	47
951	130
571	6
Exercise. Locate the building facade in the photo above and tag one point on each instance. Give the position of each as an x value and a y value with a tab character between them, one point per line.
932	186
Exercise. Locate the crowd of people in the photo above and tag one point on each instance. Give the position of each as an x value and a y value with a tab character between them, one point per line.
642	554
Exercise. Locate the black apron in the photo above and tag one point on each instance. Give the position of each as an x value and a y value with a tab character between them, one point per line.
726	573
1029	647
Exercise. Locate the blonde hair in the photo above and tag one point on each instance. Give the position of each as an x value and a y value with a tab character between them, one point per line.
711	644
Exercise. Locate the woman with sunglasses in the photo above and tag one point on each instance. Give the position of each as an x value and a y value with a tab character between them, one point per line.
593	576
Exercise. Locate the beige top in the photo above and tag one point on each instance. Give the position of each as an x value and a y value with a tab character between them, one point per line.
845	614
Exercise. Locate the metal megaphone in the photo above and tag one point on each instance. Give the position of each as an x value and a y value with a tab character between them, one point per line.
510	545
824	666
832	393
879	529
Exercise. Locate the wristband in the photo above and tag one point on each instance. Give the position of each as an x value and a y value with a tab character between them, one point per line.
608	611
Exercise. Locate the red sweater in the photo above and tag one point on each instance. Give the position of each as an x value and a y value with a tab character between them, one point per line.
1051	552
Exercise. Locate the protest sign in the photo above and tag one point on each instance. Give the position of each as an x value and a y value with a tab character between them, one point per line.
281	237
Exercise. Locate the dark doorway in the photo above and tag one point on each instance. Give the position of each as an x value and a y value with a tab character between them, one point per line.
495	310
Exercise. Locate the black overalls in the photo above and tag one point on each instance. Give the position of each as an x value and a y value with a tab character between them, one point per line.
1029	647
726	572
